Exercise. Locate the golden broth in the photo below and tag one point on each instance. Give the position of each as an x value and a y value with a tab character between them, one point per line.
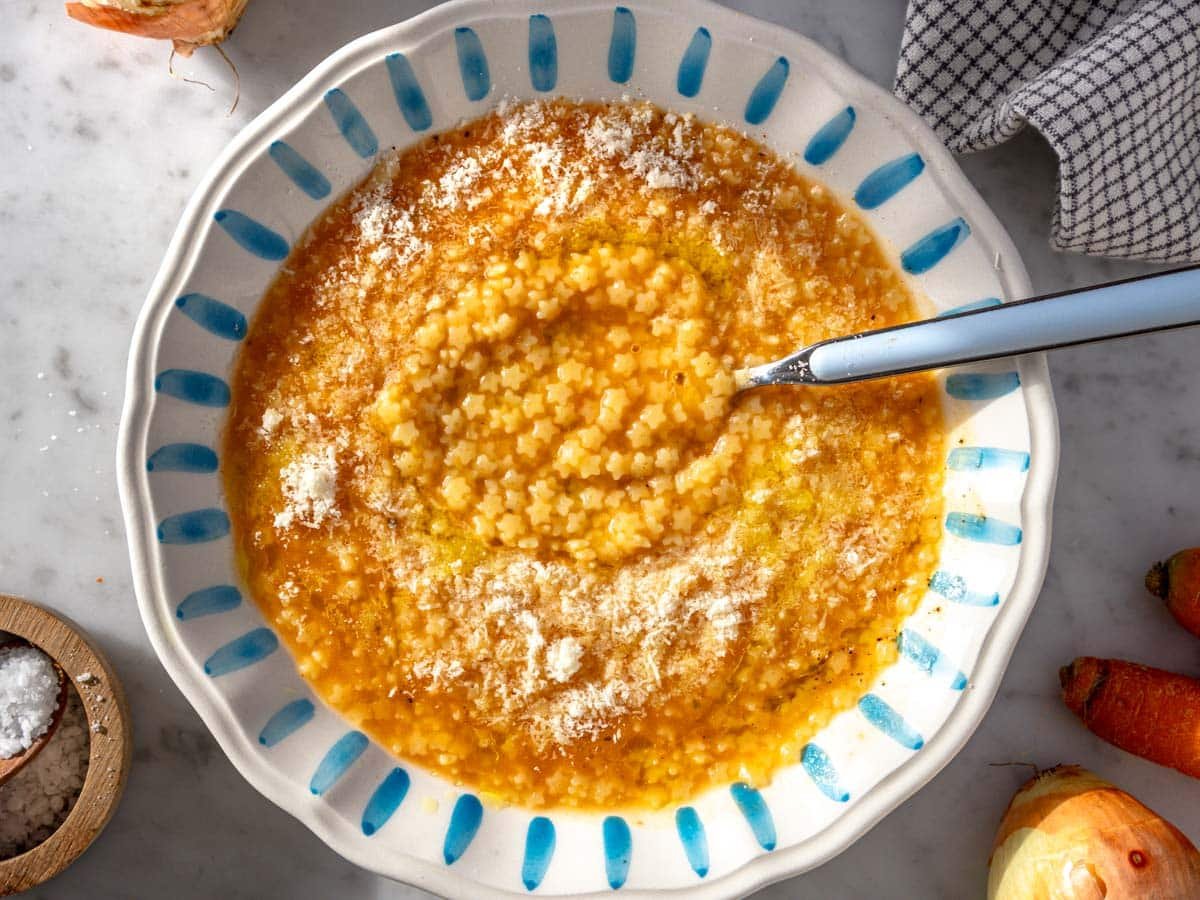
490	482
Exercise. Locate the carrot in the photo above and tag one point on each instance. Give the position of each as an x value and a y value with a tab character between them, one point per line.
1148	712
1177	581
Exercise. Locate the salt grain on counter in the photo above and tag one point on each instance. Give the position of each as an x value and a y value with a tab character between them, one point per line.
28	695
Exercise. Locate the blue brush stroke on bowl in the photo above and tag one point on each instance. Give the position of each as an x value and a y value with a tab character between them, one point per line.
755	811
693	838
336	761
829	139
888	180
213	316
208	601
985	303
933	248
351	124
472	63
303	174
695	60
622	46
880	714
981	385
971	459
287	721
543	53
464	822
983	529
954	588
195	458
241	652
253	237
195	527
929	659
194	387
385	801
766	92
618	850
340	757
540	841
821	770
409	96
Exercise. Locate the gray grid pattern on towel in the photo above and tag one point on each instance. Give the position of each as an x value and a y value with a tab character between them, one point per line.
1113	85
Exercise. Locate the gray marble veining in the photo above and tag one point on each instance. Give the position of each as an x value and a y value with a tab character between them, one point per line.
99	150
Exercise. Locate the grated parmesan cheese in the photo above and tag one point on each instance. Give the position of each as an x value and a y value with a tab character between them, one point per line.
724	618
585	711
438	671
309	488
456	188
271	420
563	659
389	231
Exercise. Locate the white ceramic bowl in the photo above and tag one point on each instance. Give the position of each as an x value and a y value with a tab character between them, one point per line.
318	140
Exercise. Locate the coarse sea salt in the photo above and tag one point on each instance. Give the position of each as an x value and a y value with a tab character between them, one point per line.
28	695
39	797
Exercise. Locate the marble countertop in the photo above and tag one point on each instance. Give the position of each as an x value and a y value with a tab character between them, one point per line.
101	148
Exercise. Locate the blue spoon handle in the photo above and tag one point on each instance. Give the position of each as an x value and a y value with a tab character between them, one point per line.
1134	306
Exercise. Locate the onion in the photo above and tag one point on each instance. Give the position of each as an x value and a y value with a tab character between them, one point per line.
1069	835
187	23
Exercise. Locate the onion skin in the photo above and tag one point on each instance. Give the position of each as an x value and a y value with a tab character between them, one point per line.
187	23
1069	835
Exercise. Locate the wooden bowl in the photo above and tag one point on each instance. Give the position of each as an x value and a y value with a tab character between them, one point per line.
110	745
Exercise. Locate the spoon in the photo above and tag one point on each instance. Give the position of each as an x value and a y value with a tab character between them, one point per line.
1121	308
14	764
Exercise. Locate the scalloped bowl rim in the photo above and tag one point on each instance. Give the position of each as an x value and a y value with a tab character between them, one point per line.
883	797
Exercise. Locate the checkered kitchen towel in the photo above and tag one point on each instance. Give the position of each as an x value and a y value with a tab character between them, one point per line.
1113	85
